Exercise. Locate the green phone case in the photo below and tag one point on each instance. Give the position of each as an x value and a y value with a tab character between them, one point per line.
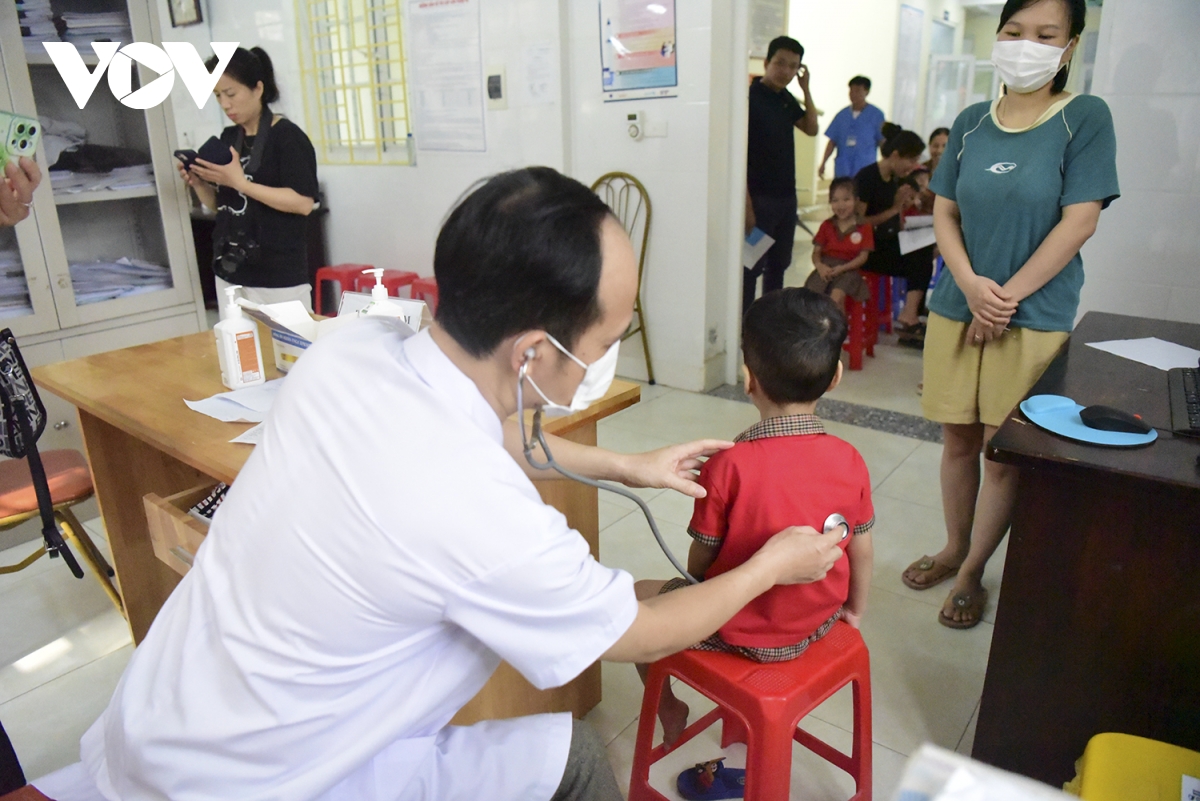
21	136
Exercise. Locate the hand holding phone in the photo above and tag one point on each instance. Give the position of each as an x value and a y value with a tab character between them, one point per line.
188	157
21	137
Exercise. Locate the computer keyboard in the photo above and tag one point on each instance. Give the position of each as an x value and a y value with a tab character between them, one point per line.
1183	385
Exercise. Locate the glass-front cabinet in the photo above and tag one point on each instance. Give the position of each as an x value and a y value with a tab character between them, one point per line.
109	238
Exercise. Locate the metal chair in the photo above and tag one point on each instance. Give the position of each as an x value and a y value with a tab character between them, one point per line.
45	485
627	198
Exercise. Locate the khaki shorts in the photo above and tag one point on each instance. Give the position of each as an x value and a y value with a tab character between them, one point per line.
968	383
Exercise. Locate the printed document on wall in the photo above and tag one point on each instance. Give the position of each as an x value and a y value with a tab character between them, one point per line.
447	74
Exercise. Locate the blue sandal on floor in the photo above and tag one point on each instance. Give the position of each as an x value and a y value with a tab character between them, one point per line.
711	780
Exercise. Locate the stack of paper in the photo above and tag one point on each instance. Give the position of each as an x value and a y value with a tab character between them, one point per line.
37	24
83	28
66	182
14	292
249	405
94	281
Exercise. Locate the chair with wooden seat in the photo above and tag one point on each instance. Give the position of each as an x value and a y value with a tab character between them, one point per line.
37	485
628	199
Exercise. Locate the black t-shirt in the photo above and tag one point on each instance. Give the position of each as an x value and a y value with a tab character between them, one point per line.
879	195
288	161
771	149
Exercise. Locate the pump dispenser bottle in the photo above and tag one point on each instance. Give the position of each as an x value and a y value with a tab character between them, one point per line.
238	348
381	303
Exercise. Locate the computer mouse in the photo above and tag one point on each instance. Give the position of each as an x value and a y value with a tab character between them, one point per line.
1106	418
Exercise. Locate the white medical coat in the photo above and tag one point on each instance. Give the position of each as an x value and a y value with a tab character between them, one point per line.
378	556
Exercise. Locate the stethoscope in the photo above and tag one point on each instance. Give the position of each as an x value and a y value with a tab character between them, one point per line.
539	438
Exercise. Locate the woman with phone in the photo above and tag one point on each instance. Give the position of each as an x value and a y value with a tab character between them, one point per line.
264	190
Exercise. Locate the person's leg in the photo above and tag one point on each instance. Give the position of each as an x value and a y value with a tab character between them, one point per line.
918	269
993	511
588	775
838	297
750	285
782	219
672	712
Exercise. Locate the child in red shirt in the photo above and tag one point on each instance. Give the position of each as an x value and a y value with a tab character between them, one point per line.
840	248
783	471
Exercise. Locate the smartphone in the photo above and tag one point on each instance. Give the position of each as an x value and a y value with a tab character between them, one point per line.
21	136
188	157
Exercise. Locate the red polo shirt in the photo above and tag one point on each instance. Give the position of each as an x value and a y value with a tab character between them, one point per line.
836	245
783	471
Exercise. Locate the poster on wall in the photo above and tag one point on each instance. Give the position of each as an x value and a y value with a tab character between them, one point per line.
637	49
768	19
447	74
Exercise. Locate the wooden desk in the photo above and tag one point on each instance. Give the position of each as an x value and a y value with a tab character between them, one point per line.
1098	626
140	438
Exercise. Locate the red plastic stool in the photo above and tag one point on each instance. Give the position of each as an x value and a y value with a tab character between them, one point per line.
761	705
394	280
862	334
426	289
879	307
344	275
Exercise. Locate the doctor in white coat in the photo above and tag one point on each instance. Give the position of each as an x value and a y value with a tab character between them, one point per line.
384	548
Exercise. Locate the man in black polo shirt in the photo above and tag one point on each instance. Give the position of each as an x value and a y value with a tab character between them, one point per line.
771	160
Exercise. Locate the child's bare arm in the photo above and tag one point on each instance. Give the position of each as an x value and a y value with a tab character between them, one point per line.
853	264
816	256
861	552
701	558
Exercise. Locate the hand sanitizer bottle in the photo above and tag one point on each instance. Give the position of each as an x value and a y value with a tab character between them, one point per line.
238	348
381	304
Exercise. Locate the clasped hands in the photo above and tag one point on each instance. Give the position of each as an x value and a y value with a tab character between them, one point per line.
992	307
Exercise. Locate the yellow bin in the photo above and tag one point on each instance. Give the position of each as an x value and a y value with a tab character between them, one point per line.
1122	767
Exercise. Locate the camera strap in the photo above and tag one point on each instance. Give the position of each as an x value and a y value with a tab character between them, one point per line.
260	142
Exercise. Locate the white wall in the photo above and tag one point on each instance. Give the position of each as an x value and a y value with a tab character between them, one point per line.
1145	257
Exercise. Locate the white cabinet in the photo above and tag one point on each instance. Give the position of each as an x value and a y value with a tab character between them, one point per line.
106	259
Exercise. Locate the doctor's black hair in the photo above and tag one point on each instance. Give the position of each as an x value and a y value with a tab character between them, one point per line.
792	340
248	67
520	251
1076	19
861	80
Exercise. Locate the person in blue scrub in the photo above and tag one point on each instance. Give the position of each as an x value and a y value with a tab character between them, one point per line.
855	133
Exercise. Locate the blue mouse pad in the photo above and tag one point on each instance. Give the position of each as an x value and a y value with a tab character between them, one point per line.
1061	416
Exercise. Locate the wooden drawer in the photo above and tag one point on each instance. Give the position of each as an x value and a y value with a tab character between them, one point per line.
175	534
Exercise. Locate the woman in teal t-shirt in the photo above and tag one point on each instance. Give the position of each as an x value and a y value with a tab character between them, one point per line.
1019	190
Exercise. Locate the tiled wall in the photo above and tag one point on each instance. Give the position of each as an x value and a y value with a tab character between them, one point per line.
1145	258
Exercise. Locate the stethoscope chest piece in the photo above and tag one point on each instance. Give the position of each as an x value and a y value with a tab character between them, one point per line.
835	520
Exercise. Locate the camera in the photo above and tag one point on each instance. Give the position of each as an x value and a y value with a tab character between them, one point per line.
233	253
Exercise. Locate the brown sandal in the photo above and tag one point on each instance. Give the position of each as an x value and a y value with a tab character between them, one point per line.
935	573
971	602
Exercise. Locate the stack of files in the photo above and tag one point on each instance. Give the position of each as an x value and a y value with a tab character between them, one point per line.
37	24
95	281
99	26
14	293
65	182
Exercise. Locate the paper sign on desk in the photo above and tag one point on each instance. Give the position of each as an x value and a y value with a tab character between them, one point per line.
1152	351
249	405
755	247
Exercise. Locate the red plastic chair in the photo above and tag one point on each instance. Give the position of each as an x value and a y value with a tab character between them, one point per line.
343	276
879	308
861	335
426	289
761	705
394	280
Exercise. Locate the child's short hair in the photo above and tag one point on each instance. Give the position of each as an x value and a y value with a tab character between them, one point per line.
792	340
845	182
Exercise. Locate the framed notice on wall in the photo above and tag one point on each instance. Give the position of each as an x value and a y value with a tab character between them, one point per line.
637	49
768	19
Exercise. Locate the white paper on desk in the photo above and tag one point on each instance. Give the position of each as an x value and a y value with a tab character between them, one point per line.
916	239
755	247
248	405
935	774
1191	789
1152	351
251	436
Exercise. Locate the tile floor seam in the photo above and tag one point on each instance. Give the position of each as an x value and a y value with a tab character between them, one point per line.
61	676
963	736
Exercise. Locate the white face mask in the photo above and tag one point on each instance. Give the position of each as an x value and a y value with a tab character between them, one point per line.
597	378
1026	66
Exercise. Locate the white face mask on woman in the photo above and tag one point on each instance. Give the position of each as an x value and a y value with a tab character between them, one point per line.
1026	66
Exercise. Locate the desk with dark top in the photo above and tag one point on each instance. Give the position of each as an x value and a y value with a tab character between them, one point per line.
1098	625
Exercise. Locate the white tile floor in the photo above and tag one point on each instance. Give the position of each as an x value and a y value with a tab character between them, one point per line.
63	646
